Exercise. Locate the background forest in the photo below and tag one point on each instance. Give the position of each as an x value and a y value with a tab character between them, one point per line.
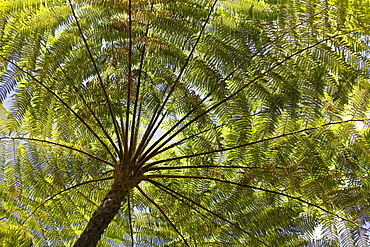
184	123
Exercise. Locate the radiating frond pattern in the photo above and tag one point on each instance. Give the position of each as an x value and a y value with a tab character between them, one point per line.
185	123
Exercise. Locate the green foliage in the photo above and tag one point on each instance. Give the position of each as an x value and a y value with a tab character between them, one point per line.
223	123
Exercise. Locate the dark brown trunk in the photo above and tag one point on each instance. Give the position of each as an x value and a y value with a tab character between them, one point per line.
102	217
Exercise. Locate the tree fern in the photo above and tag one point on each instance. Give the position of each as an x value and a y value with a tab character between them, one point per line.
185	123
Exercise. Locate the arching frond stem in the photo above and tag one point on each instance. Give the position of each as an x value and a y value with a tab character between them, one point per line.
99	122
154	152
163	213
175	144
99	77
65	104
153	125
136	133
167	189
146	137
147	140
130	220
251	143
161	168
172	129
155	129
256	188
182	70
262	49
77	90
188	204
206	97
60	145
125	140
134	127
62	191
123	128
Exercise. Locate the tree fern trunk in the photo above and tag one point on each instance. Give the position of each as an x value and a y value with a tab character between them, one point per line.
102	217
